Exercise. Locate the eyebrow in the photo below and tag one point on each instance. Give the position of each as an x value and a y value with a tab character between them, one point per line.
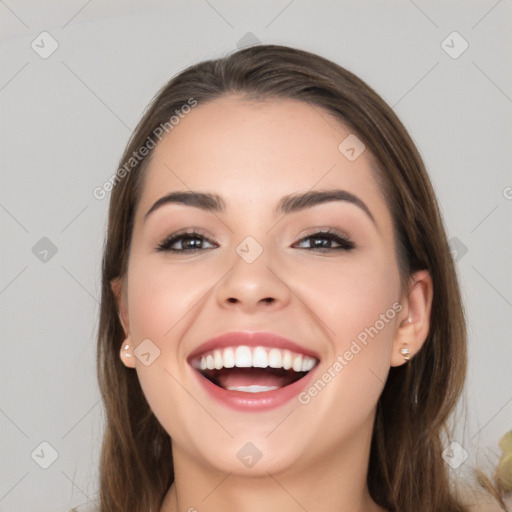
288	204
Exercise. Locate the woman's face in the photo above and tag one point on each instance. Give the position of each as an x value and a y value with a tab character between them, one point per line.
254	267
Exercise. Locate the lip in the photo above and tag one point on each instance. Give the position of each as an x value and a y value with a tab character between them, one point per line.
252	402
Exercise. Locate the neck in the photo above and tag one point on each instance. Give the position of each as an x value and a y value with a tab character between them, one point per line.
332	482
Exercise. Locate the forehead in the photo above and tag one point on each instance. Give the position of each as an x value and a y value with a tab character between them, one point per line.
258	151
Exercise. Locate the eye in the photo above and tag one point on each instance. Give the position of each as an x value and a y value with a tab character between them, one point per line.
325	241
321	241
184	242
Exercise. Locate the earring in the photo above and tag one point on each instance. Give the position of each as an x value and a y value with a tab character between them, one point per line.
126	354
406	353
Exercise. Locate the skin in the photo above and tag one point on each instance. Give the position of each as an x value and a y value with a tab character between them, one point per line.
314	456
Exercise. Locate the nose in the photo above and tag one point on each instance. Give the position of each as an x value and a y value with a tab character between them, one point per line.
250	287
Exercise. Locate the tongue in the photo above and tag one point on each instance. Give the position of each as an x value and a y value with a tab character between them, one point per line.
245	377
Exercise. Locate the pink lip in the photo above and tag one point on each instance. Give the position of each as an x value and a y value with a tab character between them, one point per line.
251	339
253	401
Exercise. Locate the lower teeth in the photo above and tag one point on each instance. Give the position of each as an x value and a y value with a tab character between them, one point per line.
252	389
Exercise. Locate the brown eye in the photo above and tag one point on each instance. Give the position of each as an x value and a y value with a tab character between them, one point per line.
324	241
184	242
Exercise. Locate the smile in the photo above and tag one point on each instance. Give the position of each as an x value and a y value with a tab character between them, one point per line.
253	369
252	375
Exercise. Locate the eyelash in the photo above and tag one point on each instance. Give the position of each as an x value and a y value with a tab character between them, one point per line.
345	244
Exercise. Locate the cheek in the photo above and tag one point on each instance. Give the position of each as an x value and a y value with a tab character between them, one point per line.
358	306
349	295
162	296
163	302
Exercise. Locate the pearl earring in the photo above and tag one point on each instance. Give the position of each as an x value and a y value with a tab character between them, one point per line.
126	354
406	353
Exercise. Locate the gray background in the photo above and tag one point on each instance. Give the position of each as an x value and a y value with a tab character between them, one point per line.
66	120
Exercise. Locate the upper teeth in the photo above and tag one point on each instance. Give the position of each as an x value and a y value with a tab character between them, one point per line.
256	357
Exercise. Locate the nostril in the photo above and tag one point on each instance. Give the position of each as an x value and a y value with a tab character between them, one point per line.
267	300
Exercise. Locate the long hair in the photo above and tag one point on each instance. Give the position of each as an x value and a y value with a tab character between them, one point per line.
406	468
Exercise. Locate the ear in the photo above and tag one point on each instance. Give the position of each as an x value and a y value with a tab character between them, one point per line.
118	289
126	351
414	323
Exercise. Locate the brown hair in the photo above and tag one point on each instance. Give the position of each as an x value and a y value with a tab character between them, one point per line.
406	470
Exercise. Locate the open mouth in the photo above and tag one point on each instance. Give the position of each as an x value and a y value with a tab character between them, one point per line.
253	369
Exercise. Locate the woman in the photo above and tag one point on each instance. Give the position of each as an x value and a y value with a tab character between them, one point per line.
278	284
